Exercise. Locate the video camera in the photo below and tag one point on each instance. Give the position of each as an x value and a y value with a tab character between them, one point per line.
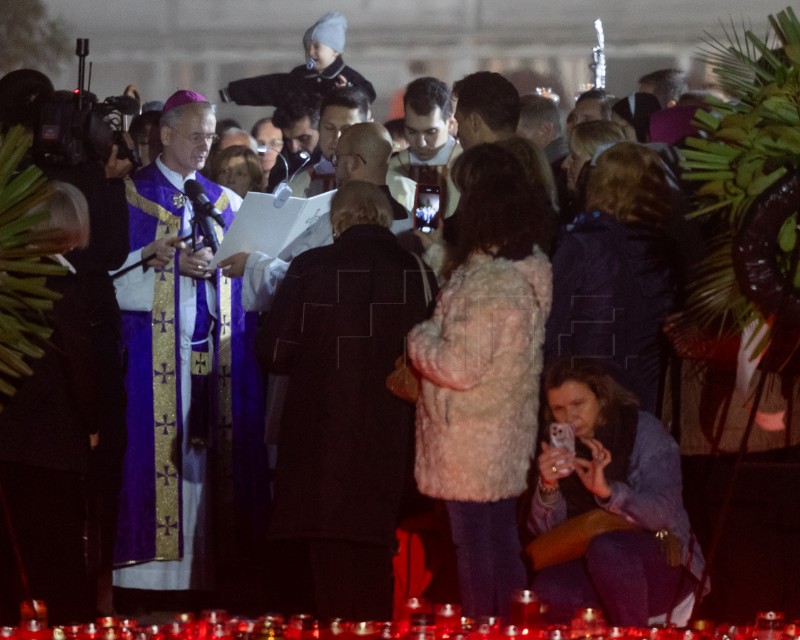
75	127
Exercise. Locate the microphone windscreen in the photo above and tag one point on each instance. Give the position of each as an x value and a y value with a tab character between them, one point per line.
194	189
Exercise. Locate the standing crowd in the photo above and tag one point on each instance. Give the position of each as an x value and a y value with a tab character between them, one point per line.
257	407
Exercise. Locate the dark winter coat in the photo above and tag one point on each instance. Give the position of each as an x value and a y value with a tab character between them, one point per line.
42	424
336	327
612	289
271	89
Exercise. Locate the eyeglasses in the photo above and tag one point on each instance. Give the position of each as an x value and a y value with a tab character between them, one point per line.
335	157
198	138
276	144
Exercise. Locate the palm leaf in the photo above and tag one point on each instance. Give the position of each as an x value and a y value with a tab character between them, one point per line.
24	296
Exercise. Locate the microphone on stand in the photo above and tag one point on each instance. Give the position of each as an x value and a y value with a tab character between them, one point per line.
209	235
201	202
204	212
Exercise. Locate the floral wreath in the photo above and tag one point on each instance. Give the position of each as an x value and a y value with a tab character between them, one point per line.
746	158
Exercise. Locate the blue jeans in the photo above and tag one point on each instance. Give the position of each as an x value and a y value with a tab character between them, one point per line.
623	572
488	555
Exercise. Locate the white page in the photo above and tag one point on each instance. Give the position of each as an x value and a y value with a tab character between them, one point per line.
259	226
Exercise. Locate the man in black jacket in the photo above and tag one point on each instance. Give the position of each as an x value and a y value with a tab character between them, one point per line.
337	325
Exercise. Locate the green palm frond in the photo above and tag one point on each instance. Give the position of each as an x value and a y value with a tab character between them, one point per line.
24	296
745	146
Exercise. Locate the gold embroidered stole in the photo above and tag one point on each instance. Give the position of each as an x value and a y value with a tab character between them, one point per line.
165	389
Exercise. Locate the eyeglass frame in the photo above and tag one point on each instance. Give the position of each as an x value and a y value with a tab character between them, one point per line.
335	157
208	138
276	144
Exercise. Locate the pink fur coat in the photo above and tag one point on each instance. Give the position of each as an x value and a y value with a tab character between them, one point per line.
480	356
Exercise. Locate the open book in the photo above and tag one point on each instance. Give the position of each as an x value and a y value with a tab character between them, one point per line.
260	226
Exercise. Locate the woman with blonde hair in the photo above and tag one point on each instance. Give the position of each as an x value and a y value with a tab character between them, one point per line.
585	140
47	432
613	273
629	183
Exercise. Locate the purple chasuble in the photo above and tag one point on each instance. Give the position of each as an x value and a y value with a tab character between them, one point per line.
227	396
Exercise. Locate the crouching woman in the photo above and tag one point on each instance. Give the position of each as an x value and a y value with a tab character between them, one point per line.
611	528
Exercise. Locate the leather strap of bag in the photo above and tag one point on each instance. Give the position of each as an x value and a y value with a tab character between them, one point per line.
570	539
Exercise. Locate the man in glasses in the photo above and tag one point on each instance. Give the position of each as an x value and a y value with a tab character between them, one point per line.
270	143
341	108
363	153
181	324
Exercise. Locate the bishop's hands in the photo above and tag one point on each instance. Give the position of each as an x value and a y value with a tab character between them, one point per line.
162	251
197	263
191	263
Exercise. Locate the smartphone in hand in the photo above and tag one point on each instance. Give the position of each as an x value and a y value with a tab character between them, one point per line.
562	436
426	207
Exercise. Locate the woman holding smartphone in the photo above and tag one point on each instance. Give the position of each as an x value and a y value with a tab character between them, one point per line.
480	358
624	462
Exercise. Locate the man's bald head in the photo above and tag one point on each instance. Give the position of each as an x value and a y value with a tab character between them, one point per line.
363	153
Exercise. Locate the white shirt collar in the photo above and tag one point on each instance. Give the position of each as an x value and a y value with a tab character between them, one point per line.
442	156
175	178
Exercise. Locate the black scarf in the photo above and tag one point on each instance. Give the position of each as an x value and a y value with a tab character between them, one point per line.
618	436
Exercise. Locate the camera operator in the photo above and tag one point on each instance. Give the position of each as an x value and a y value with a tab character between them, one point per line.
103	402
74	449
